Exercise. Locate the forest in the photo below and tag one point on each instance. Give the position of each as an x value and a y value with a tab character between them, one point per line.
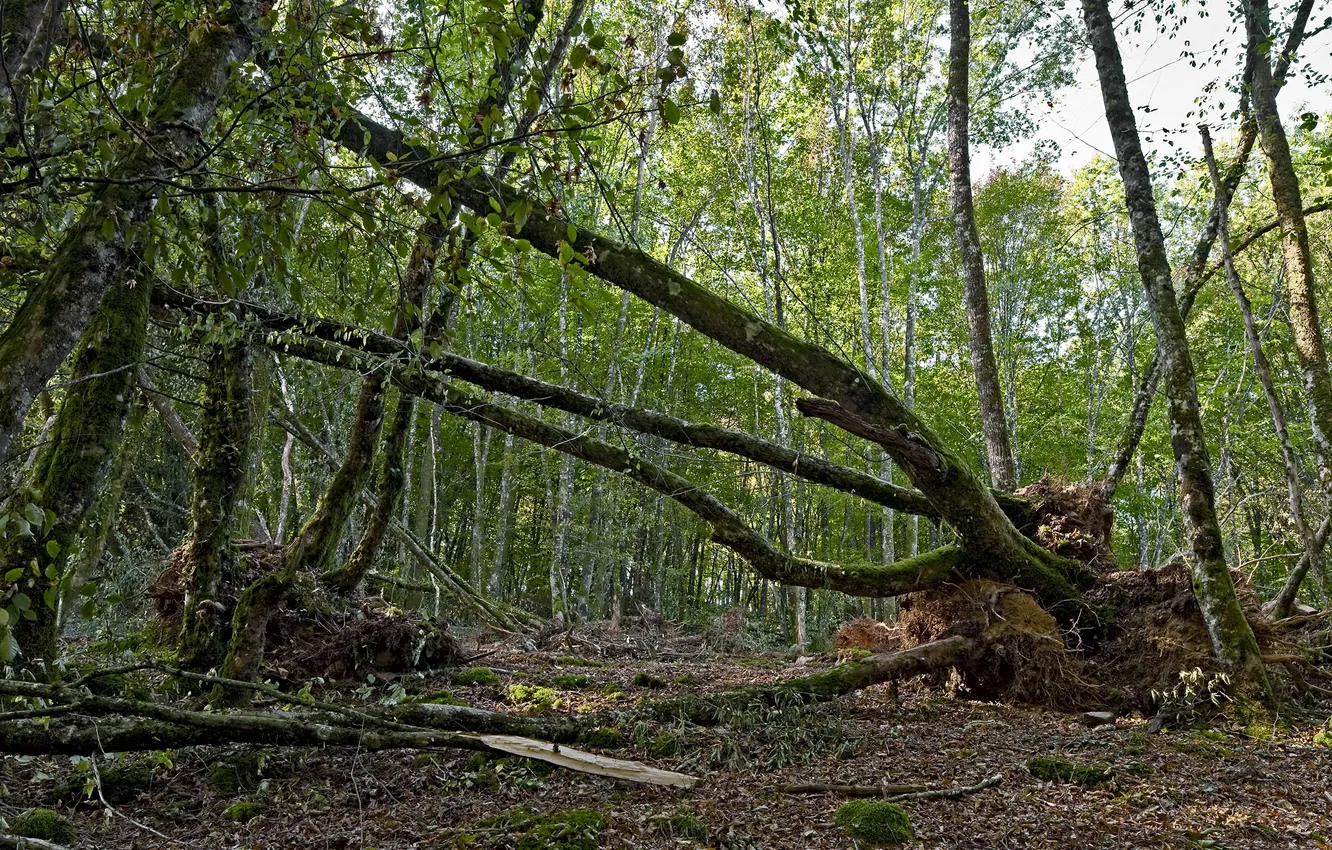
554	424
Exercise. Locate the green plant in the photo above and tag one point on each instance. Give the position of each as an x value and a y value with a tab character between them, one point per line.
533	696
570	681
1196	692
575	829
875	823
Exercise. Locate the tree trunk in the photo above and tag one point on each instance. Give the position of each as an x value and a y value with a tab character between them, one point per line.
993	421
72	467
219	475
1233	642
1301	287
95	250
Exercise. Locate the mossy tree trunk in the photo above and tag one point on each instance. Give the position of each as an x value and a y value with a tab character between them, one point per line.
71	468
1233	642
95	250
392	473
1301	286
220	470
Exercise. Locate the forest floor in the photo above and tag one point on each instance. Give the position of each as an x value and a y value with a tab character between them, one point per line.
1198	788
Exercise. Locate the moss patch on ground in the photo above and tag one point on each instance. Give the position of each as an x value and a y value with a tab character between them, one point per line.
243	812
570	681
1053	769
532	696
236	773
647	680
476	676
45	824
875	823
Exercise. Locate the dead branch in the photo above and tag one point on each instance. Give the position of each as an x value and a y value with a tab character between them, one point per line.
851	790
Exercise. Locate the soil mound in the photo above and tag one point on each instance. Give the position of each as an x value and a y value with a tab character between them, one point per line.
1024	658
1071	519
866	633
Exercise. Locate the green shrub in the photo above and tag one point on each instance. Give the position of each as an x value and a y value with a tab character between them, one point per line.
1053	769
875	823
476	676
45	824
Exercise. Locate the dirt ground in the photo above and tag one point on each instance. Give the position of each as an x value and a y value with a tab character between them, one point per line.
1175	789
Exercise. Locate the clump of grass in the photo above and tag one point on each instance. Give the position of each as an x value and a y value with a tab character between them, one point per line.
1053	769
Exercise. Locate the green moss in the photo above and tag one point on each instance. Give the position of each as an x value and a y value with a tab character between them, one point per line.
875	823
533	696
243	811
854	653
46	824
575	829
476	676
643	679
681	823
575	661
1052	769
1323	739
570	681
604	738
133	686
234	774
440	697
612	690
663	745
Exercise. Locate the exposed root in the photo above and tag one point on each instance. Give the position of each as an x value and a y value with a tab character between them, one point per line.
1070	519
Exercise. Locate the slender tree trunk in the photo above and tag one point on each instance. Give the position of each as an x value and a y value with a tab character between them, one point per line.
1282	604
1233	642
1301	287
481	462
219	476
993	421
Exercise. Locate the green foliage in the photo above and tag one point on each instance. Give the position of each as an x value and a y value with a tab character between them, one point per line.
875	823
1056	769
570	681
45	824
663	745
439	697
476	676
121	782
604	738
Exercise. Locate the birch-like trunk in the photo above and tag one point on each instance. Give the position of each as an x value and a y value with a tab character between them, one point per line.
1233	642
993	420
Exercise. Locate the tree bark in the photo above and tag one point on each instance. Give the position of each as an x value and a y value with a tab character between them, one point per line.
96	249
993	422
1195	273
1233	642
1301	286
72	467
220	470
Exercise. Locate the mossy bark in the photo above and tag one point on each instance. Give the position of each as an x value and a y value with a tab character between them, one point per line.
220	471
1233	642
70	470
392	474
95	251
101	522
1301	286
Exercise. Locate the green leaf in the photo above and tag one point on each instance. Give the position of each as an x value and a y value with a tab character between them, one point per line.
8	647
53	548
571	233
14	575
89	609
670	111
21	601
714	102
676	39
33	513
108	228
4	618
